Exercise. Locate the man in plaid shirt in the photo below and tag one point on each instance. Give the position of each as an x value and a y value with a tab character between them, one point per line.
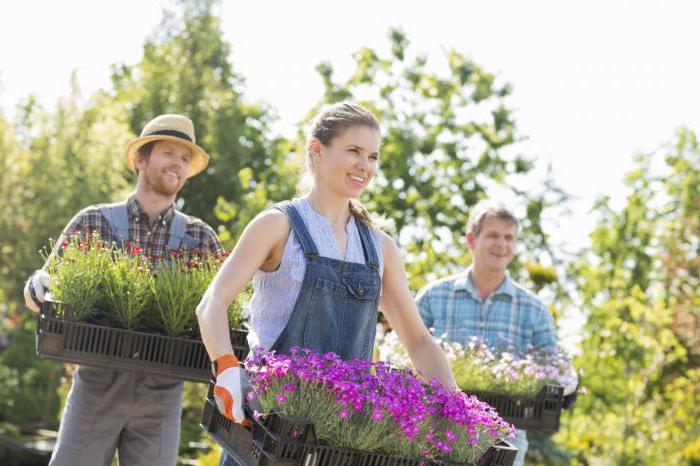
484	302
133	413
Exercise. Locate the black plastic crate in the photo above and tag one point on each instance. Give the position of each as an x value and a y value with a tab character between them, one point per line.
539	413
61	338
282	441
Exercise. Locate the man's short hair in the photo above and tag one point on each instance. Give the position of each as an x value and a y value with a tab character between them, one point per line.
145	152
485	208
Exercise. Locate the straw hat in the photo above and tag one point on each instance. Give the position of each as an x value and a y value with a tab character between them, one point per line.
172	128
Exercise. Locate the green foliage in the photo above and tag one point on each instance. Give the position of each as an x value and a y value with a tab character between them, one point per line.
175	295
28	384
79	278
642	400
540	275
186	69
52	166
124	287
447	143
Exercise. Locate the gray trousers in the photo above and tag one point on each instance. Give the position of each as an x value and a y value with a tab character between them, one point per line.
132	413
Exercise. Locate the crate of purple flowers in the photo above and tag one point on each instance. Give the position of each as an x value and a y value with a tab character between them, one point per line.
280	440
539	413
61	338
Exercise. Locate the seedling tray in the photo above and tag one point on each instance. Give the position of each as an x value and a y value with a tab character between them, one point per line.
61	338
541	412
281	441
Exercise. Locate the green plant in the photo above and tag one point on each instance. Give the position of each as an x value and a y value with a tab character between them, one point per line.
176	288
79	273
126	286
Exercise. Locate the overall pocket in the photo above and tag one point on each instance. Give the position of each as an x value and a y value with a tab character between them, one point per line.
340	317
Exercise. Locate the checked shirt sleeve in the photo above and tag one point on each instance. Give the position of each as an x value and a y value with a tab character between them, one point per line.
423	301
543	336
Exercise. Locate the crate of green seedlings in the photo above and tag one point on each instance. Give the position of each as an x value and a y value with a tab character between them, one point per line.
316	409
119	308
525	389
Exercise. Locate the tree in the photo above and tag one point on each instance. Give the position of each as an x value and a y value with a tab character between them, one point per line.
643	399
186	69
53	166
680	239
448	142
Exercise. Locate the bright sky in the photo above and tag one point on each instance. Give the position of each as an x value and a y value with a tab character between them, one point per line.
595	81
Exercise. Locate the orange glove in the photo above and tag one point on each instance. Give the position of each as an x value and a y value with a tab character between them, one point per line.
228	391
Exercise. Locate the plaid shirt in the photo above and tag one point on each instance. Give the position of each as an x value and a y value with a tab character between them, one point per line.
151	236
511	317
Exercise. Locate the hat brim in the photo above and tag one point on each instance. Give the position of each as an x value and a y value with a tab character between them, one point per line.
199	162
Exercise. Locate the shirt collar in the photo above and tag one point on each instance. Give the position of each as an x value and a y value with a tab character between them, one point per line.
137	212
464	282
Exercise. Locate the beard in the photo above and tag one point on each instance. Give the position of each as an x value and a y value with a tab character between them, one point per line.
158	183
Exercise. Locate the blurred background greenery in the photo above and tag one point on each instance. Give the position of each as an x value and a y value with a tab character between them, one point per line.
635	282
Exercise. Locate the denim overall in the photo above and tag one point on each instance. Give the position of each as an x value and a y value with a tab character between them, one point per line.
336	310
136	413
117	216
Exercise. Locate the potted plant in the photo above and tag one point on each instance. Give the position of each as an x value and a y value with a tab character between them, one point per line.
526	389
318	409
119	308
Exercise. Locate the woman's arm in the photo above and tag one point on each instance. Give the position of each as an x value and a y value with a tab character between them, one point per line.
259	241
400	311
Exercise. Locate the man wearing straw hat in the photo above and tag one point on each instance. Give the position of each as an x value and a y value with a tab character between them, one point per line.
133	413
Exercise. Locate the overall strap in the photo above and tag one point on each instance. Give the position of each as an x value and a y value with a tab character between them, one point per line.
178	225
299	228
117	217
371	257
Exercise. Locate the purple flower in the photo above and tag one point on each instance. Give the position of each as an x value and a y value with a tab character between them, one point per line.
378	397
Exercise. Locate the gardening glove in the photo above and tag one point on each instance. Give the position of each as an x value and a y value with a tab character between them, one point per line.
36	289
228	391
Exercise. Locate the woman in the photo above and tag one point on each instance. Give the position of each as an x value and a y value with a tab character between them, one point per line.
320	267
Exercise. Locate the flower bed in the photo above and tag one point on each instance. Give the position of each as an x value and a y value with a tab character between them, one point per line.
356	409
526	390
126	310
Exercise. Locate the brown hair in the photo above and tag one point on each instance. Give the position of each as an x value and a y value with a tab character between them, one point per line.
485	208
144	152
327	126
